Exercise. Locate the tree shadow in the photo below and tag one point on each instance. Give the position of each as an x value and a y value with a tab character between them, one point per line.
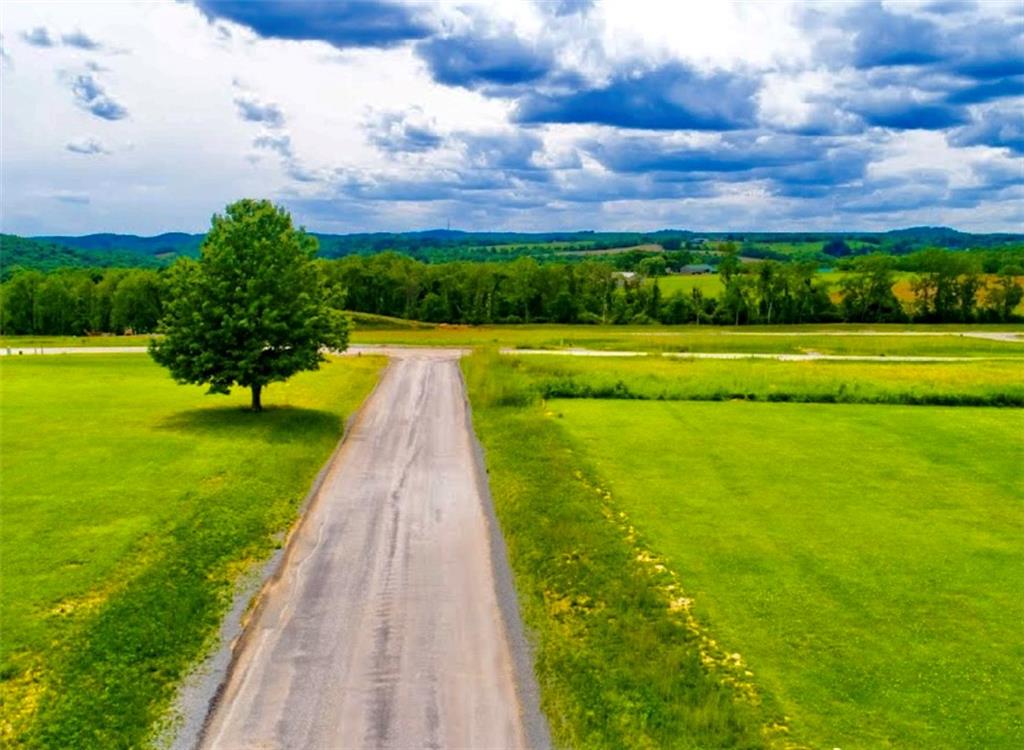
275	424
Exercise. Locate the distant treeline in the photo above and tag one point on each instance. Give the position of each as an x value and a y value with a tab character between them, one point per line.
947	287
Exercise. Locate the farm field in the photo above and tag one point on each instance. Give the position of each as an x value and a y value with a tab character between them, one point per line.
711	284
865	563
131	505
848	575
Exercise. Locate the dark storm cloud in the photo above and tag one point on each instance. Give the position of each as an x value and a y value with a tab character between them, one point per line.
340	23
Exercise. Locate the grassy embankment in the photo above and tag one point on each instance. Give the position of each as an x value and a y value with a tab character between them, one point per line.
847	571
131	505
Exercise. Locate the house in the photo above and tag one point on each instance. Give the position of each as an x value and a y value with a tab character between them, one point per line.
697	269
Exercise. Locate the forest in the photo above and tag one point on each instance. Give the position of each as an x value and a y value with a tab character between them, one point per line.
947	287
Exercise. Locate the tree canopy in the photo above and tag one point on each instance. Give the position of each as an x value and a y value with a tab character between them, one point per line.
253	309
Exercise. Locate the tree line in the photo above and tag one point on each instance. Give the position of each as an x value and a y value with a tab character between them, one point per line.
947	287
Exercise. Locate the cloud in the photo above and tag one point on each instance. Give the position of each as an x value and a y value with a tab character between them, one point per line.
91	96
885	38
995	128
566	7
985	92
71	197
87	146
508	151
912	115
672	97
471	61
396	133
80	40
252	109
341	23
38	37
278	142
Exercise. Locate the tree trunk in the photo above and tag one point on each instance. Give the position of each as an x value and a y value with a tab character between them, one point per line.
256	404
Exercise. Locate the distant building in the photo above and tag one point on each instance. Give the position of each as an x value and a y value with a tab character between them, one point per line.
697	269
626	275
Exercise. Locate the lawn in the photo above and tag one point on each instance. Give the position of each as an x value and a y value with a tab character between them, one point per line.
865	561
131	505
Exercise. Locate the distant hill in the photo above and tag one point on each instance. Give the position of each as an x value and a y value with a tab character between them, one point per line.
20	252
436	245
169	243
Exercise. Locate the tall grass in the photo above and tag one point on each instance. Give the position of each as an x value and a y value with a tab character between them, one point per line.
983	383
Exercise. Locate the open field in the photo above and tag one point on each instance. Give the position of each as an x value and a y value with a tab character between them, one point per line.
891	340
840	339
846	575
130	507
617	665
983	382
865	561
711	284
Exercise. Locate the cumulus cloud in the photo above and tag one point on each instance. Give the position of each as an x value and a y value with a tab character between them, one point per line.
997	128
403	132
38	37
86	146
252	109
92	97
342	23
278	142
473	60
671	97
80	40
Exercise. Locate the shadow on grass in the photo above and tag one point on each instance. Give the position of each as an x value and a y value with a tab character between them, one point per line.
275	424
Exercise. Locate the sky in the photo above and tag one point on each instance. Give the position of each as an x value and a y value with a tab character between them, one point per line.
529	116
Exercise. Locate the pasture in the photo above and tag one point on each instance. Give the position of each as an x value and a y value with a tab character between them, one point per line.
131	506
845	574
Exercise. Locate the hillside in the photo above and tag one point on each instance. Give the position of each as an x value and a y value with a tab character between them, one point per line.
23	253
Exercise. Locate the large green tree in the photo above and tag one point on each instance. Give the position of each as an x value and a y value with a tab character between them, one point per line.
253	310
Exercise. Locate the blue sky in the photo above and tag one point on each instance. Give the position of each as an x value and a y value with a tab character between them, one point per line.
524	115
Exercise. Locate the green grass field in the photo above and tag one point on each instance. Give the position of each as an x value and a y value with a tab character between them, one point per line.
845	575
865	561
884	341
888	340
130	507
979	382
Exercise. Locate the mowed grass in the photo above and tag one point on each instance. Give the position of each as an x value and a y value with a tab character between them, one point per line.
130	507
845	339
866	561
979	382
618	666
880	340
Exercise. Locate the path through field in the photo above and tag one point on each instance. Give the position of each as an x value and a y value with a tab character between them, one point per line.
392	623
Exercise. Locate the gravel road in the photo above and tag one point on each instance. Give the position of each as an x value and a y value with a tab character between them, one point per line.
392	622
